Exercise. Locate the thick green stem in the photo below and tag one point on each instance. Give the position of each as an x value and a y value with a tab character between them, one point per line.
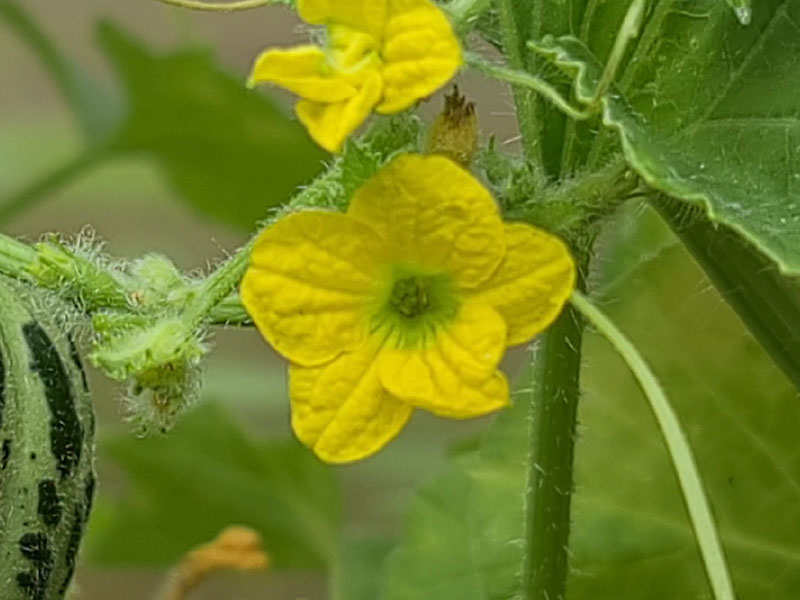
552	443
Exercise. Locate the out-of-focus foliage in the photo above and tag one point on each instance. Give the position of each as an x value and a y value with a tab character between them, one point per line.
631	535
182	489
232	153
95	109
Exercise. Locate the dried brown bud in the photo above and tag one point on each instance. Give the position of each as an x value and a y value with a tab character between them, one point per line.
454	133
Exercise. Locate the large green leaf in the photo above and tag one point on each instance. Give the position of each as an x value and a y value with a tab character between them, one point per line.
182	489
630	532
464	537
233	153
767	301
359	562
707	110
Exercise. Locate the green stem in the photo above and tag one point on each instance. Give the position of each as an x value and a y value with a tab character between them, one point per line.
39	190
552	442
524	100
570	208
217	287
230	311
680	451
51	265
462	12
16	258
221	6
524	79
628	31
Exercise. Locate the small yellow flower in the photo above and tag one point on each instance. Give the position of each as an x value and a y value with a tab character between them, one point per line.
408	300
380	54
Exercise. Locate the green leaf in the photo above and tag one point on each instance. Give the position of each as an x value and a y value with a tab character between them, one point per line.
232	152
646	238
707	110
464	535
182	489
360	559
630	531
767	301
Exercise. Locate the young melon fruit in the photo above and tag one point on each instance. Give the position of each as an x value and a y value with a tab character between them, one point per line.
46	449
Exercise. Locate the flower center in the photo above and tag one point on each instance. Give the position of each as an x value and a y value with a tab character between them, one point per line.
410	297
412	302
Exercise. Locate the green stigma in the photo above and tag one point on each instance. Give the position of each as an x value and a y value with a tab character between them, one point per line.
410	296
413	303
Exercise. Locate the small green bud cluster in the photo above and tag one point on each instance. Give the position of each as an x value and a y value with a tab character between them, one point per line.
150	321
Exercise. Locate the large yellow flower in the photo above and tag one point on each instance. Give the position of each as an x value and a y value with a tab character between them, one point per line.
408	300
380	54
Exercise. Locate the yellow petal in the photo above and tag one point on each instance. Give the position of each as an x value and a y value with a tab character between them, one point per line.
330	124
302	70
341	410
456	376
353	52
366	15
532	284
433	212
420	52
308	282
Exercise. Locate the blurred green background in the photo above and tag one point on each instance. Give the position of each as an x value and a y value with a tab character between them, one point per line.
187	183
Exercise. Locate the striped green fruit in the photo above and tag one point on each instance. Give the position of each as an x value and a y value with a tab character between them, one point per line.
46	446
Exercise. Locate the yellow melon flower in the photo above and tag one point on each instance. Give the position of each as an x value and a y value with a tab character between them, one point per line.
380	54
408	300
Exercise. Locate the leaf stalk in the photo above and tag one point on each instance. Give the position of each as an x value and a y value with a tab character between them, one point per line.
691	483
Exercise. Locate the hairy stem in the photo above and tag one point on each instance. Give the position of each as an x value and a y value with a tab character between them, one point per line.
680	451
523	79
230	311
553	416
217	286
524	98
